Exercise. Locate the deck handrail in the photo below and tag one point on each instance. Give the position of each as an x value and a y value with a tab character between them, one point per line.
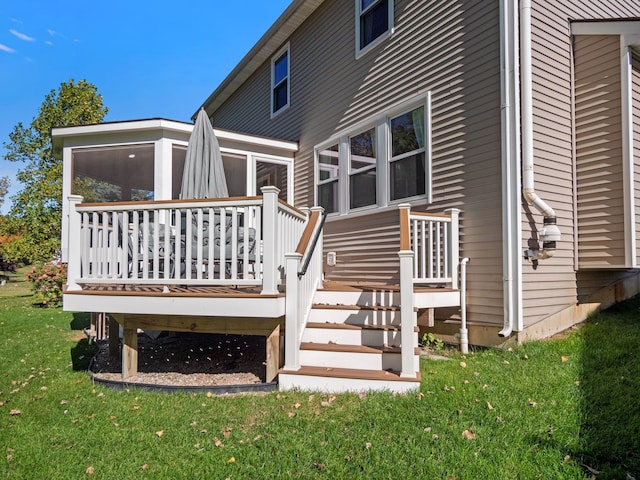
429	251
223	241
302	283
314	233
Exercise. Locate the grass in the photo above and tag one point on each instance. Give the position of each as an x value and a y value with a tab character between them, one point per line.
553	409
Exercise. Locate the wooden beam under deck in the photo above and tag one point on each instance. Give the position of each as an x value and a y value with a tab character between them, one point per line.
270	328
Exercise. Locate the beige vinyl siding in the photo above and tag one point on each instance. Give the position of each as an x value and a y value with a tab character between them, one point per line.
553	284
635	92
450	48
599	170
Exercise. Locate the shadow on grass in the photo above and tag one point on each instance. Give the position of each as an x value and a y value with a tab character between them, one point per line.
80	320
611	389
82	354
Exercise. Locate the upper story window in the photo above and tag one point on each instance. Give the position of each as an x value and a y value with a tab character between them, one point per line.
387	162
280	81
374	21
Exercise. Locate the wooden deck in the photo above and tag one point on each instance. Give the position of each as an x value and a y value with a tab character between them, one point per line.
217	291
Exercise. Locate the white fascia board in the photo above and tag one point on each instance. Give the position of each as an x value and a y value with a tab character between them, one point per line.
168	305
252	139
127	126
623	27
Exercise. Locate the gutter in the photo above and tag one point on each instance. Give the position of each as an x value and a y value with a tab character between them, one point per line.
550	233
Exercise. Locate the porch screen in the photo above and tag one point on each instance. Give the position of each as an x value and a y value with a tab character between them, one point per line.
113	174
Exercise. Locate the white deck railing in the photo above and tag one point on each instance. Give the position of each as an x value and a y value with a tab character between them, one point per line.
434	240
230	241
302	284
429	254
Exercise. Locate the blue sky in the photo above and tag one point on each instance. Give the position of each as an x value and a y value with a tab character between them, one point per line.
147	59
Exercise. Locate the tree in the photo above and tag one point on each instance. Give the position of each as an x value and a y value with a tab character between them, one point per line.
36	211
4	188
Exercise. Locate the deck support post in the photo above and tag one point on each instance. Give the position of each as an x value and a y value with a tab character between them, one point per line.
114	336
293	312
271	241
129	352
408	316
273	354
73	263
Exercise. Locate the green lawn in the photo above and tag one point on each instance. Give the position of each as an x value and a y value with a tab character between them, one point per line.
555	409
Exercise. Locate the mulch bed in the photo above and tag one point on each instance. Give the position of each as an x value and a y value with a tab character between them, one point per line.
189	360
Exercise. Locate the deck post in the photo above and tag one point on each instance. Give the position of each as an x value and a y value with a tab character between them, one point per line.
74	260
129	352
454	245
270	240
407	314
273	354
114	336
292	316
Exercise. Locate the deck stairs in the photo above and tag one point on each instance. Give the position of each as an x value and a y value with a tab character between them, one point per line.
352	342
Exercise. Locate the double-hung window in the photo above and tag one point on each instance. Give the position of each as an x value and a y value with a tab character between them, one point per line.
386	160
328	178
280	89
407	160
374	21
362	169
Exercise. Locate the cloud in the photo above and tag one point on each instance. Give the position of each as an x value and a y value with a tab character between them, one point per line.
22	36
4	48
52	32
15	20
48	42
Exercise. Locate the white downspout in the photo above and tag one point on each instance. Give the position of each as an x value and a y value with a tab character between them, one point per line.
550	232
511	168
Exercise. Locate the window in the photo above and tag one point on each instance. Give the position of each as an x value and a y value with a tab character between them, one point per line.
388	162
374	20
280	81
328	178
362	169
407	162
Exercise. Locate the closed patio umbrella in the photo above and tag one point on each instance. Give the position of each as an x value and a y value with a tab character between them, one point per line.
203	175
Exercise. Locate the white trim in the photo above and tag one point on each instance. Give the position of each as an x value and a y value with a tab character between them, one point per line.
277	56
625	27
628	186
62	134
360	51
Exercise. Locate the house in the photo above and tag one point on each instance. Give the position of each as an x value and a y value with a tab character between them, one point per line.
504	132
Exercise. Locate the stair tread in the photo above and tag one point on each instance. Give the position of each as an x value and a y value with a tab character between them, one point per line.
382	375
350	326
337	286
338	347
332	306
341	347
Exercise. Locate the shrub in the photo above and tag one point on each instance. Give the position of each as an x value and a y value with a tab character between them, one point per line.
47	280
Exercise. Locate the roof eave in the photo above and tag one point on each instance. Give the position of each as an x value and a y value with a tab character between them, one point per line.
295	14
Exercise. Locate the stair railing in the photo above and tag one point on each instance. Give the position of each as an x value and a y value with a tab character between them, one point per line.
303	276
429	254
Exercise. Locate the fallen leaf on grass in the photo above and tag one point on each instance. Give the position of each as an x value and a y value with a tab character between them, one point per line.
427	430
463	364
291	414
14	412
227	432
232	460
90	470
296	405
144	467
367	445
469	434
43	388
564	359
489	406
159	433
